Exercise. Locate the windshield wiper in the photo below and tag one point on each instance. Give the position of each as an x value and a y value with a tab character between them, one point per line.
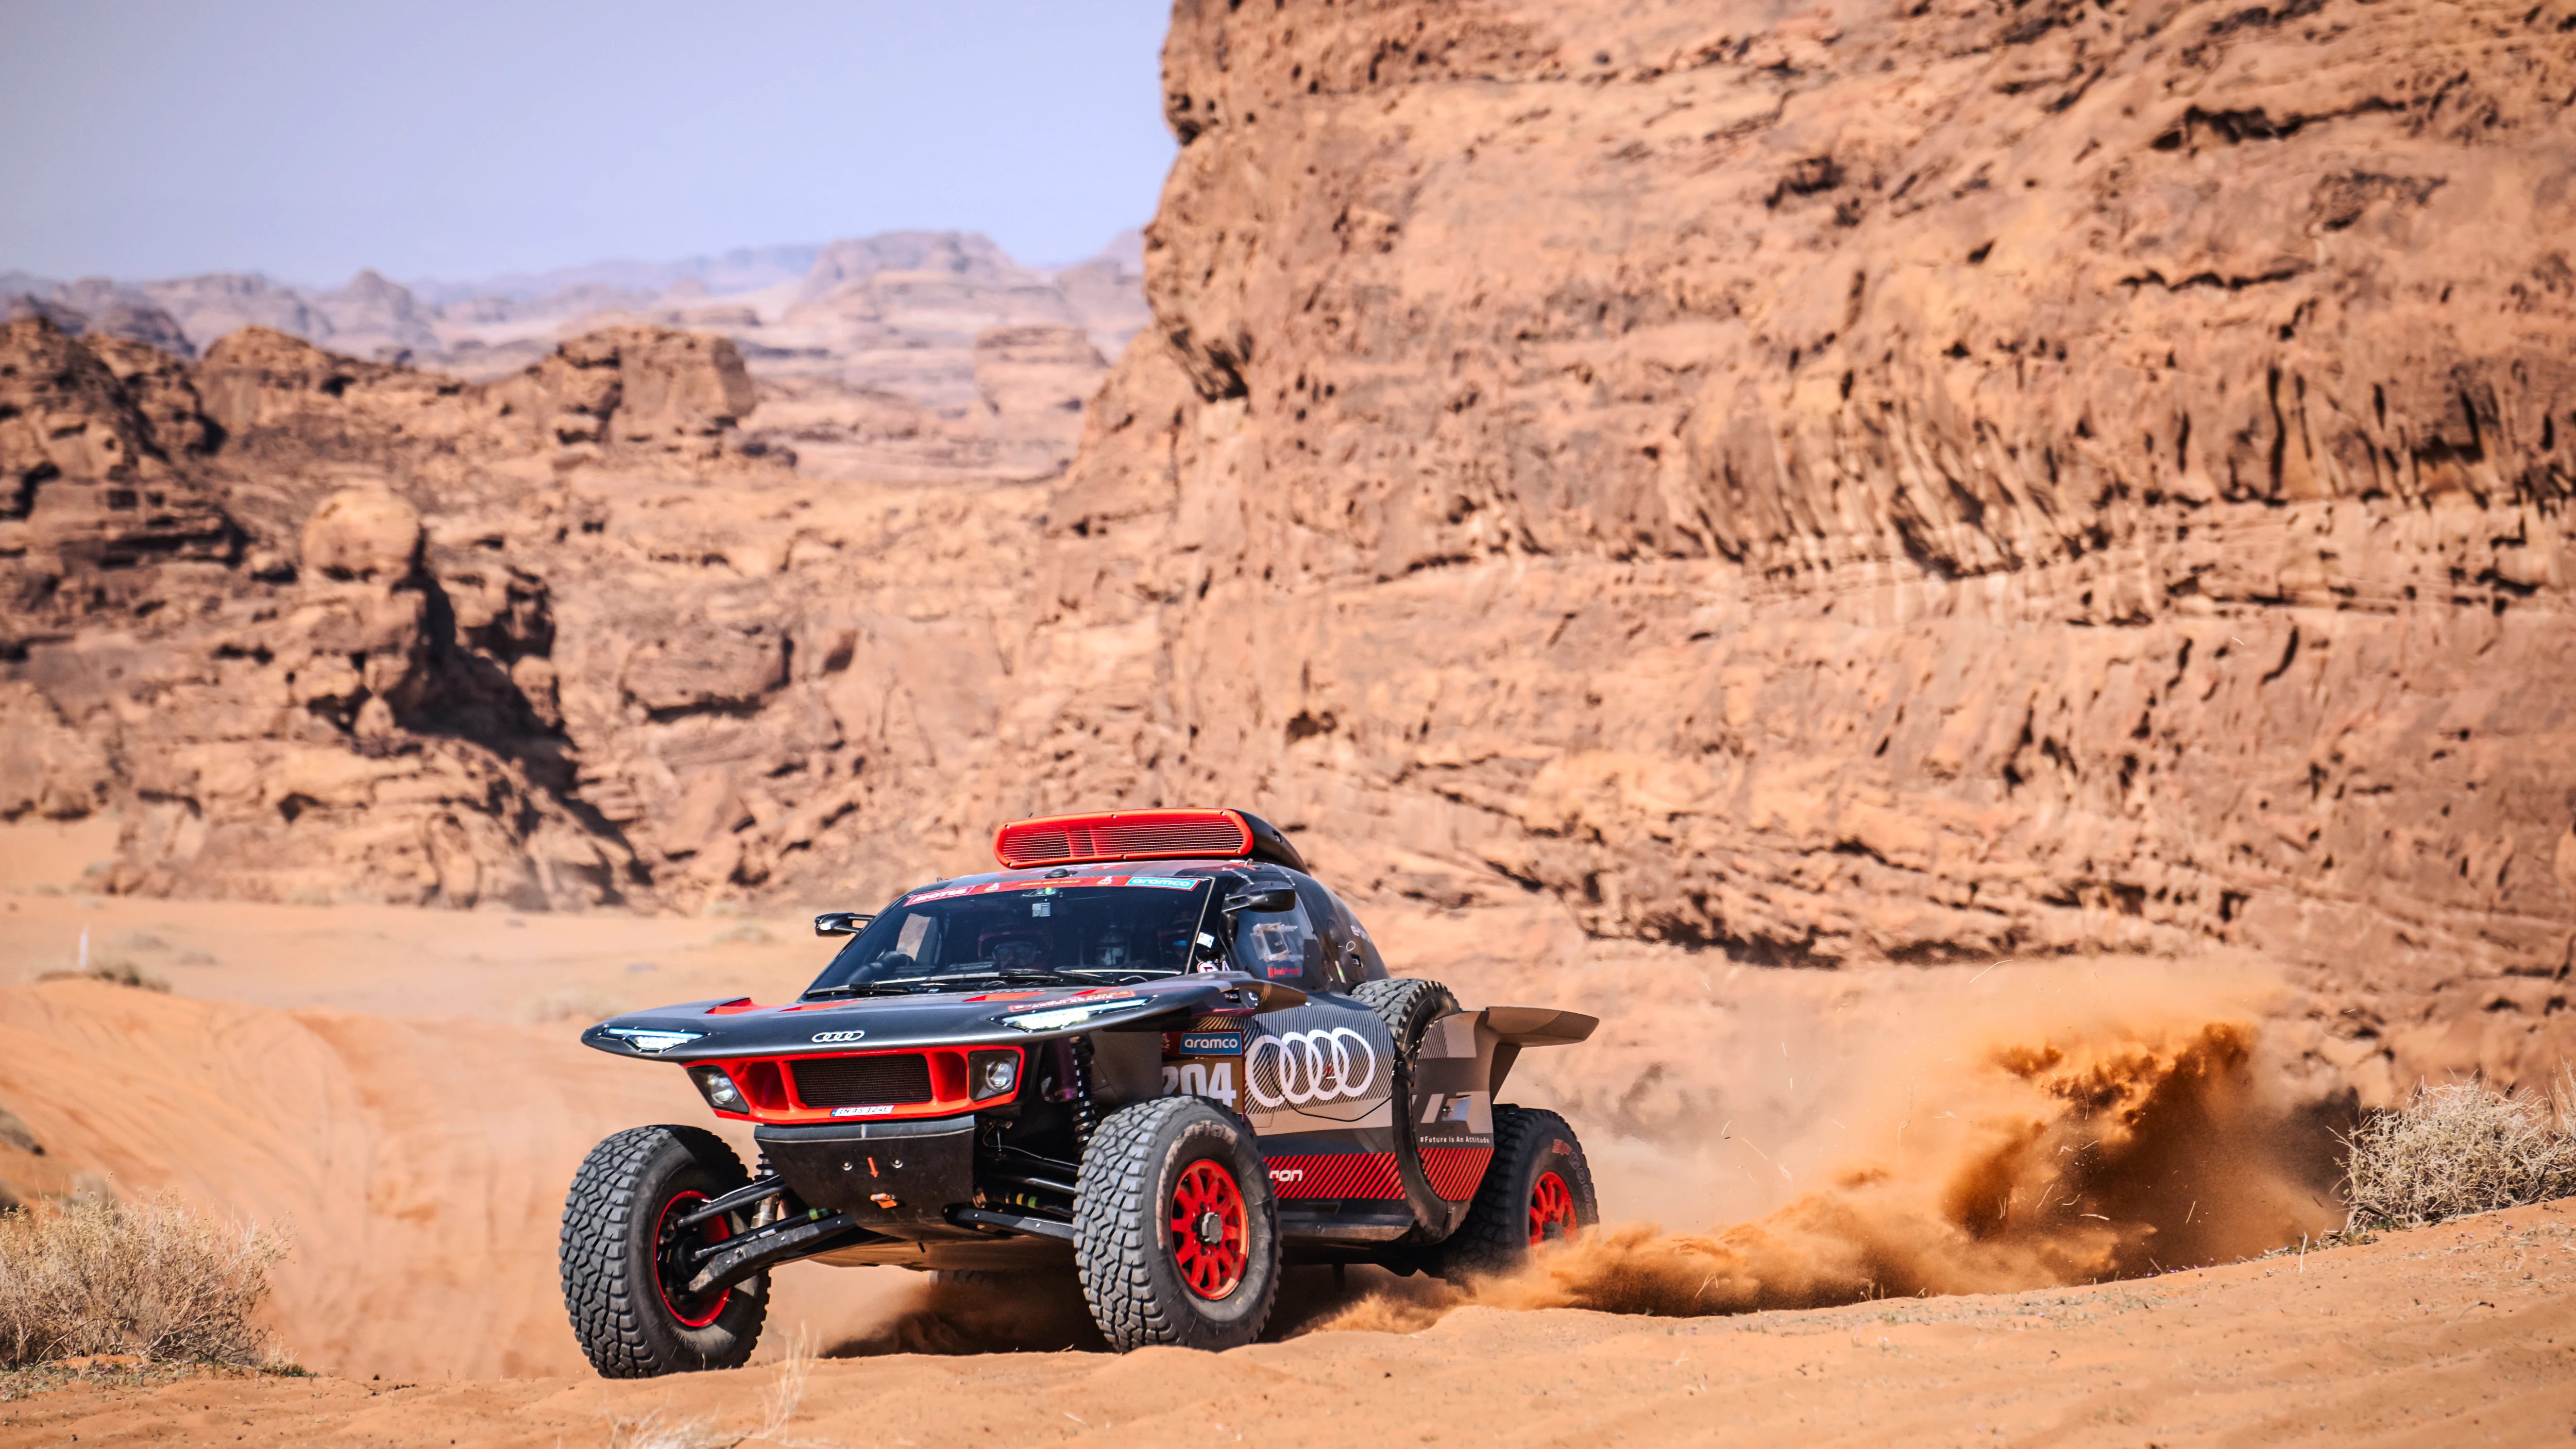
1132	973
1022	976
862	988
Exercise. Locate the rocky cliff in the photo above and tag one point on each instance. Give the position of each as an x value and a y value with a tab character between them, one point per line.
1825	489
1895	485
315	628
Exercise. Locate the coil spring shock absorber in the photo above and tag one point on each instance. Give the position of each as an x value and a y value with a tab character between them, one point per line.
1073	1085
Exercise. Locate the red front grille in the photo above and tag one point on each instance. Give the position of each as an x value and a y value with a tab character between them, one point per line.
905	1082
862	1081
1121	835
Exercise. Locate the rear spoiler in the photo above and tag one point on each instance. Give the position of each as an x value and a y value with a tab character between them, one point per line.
1485	1043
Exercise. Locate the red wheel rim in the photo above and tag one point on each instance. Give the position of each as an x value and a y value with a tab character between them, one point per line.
1210	1244
671	1253
1551	1211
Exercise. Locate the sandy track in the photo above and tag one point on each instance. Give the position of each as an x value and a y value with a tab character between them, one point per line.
2455	1335
405	1087
373	1074
422	1163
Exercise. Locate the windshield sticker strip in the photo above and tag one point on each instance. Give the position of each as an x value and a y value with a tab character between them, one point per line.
1091	1001
1158	882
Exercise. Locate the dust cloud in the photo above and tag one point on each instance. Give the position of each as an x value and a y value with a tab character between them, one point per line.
1769	1139
2068	1123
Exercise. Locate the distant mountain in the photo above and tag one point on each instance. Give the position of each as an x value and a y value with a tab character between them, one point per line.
93	304
897	310
744	269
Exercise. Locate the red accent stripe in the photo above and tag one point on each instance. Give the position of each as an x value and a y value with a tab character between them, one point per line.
775	1095
1121	835
1455	1171
1337	1174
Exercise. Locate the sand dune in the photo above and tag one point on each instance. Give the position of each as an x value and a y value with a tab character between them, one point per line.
422	1163
2459	1334
411	1098
404	1086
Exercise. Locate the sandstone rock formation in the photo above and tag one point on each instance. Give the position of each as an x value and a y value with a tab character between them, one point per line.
1817	489
1840	487
315	627
221	582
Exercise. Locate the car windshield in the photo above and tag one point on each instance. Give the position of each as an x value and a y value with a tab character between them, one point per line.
1094	931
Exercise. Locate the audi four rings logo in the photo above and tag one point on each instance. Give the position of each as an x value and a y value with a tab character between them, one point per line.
1309	1066
833	1036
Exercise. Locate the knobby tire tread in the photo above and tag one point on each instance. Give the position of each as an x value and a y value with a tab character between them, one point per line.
605	1305
1114	1219
1495	1236
1395	1000
1408	1006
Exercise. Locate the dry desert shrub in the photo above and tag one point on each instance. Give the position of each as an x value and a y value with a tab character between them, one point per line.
778	1405
654	1431
151	1278
115	971
2464	1148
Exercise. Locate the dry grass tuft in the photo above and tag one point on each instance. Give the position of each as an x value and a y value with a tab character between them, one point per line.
778	1405
779	1402
2461	1149
152	1279
653	1431
115	971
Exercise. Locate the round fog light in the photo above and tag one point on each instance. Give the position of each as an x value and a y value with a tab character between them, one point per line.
994	1074
717	1088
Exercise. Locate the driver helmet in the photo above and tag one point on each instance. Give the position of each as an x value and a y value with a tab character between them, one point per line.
1019	953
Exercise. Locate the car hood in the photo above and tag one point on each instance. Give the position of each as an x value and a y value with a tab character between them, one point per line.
707	1030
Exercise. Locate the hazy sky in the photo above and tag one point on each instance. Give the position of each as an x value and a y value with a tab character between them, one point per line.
307	140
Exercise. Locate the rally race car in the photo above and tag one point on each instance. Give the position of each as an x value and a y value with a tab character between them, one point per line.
1151	1050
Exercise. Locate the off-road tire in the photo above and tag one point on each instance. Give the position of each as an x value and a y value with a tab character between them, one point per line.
1528	1145
1122	1243
611	1289
1408	1007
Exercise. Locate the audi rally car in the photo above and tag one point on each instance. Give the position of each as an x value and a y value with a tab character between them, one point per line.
1151	1050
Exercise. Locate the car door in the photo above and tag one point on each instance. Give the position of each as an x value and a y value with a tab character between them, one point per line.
1314	1081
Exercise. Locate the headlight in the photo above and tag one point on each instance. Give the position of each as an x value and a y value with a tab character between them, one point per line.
648	1040
992	1074
1057	1018
718	1089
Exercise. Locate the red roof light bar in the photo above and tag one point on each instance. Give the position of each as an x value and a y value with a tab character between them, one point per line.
1121	835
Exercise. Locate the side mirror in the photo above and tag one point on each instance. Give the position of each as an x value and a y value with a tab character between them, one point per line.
840	923
1269	902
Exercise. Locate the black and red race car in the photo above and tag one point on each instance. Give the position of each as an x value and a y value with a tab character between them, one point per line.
1152	1050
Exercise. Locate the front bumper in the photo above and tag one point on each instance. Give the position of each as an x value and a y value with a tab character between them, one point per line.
889	1176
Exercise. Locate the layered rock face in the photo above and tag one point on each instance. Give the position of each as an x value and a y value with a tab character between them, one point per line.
1816	489
228	620
1924	484
319	628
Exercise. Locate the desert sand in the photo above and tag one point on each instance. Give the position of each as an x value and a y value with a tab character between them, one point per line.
1831	490
1986	587
401	1085
2462	1334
